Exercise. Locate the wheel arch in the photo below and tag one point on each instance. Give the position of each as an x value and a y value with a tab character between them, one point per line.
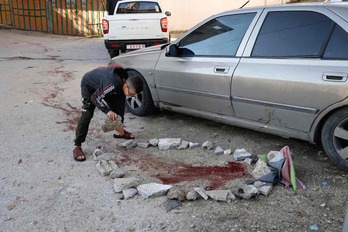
146	82
315	135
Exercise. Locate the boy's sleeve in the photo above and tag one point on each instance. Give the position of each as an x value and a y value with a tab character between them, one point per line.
99	95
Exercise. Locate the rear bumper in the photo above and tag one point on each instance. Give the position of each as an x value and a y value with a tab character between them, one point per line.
122	44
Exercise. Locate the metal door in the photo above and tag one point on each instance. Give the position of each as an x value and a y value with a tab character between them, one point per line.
30	15
5	12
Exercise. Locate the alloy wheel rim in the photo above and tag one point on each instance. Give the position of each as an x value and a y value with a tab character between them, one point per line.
135	102
340	139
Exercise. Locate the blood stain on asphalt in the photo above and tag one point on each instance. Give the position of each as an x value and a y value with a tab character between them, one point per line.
172	172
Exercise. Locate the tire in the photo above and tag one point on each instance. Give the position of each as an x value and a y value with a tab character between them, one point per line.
114	53
334	138
142	103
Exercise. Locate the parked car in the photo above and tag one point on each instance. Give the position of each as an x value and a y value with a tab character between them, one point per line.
276	69
134	25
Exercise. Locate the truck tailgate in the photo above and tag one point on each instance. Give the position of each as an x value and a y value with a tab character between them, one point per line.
135	26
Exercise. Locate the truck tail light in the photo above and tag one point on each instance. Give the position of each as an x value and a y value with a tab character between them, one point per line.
105	25
164	24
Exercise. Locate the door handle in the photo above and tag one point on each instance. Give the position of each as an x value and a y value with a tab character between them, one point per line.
335	77
221	69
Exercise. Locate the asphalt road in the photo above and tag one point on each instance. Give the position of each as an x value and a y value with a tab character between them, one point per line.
43	189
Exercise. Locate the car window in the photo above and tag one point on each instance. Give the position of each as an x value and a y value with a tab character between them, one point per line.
218	37
138	7
337	47
293	34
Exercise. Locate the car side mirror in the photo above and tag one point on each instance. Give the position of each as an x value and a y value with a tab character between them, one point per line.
167	13
173	50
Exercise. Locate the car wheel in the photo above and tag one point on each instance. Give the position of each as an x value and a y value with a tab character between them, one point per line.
334	138
142	103
114	53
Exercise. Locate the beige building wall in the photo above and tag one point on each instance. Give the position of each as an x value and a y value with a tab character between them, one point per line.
187	13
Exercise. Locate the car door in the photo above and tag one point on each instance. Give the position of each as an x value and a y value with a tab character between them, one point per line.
294	66
200	78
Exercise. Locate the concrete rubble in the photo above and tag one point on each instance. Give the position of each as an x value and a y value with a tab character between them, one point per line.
153	142
241	154
104	156
104	168
248	161
117	173
192	195
263	187
184	145
143	145
261	169
115	125
153	190
221	195
129	193
228	152
193	145
201	191
219	151
121	184
247	192
176	194
171	204
169	143
97	152
208	145
128	143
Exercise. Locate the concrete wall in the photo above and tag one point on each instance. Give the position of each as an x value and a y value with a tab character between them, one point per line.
187	13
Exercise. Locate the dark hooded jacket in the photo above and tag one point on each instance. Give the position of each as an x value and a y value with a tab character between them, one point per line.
102	85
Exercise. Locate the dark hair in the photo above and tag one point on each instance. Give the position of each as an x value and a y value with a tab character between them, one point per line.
121	72
135	82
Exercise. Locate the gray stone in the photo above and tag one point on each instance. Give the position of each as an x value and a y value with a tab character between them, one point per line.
169	143
248	161
219	151
208	145
241	154
176	194
184	145
247	192
112	165
97	152
127	143
132	144
117	173
153	190
228	152
171	204
129	193
153	142
116	125
103	167
266	190
192	195
144	145
261	169
221	195
201	192
193	145
121	184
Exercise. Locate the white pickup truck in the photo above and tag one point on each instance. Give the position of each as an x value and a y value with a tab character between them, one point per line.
135	24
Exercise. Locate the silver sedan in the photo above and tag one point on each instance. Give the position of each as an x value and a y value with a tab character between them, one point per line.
278	69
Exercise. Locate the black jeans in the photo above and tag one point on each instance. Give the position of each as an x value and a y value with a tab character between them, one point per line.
116	104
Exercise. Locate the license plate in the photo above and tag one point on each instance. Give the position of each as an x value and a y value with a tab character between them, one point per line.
135	46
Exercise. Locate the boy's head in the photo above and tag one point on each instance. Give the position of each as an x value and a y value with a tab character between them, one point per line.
132	86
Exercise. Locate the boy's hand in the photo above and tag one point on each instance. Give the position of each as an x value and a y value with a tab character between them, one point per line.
111	115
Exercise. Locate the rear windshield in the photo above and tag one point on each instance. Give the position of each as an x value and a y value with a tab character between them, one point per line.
138	7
